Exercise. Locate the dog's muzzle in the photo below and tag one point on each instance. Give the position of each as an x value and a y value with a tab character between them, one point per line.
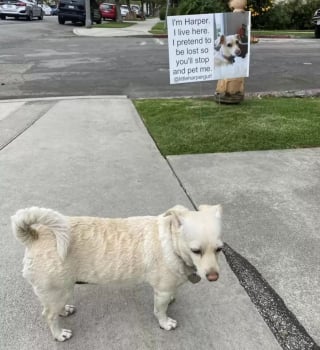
212	276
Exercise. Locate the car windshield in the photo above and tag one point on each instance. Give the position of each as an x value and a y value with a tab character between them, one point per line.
13	2
76	2
107	7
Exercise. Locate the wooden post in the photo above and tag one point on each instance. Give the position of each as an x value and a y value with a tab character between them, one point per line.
231	91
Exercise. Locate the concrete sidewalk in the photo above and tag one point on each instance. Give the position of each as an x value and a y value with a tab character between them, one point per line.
271	205
140	28
93	156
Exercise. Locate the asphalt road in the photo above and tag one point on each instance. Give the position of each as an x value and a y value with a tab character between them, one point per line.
43	58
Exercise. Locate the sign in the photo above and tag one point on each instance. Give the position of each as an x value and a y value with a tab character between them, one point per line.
208	47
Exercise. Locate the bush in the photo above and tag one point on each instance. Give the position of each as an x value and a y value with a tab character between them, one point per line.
291	14
301	13
172	11
190	7
276	18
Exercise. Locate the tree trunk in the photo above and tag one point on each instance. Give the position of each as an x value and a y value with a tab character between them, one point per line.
119	17
142	5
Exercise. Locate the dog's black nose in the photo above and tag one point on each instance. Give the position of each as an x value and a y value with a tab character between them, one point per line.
212	276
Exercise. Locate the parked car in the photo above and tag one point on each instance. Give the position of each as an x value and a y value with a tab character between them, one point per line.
20	8
138	11
54	10
124	10
46	9
108	11
135	8
75	11
316	21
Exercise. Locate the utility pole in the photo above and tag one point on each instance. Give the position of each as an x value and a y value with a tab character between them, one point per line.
88	14
231	91
167	10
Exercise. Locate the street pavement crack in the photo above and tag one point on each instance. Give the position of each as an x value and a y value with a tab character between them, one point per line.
284	325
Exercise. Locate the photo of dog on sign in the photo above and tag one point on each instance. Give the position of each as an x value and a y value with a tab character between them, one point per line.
231	45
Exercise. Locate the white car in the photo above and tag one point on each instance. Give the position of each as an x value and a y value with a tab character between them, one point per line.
124	10
20	8
46	9
316	21
135	8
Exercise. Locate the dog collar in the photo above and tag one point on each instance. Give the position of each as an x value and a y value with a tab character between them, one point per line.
190	271
230	59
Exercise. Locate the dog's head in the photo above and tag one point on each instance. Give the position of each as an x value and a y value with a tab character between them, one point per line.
197	238
228	45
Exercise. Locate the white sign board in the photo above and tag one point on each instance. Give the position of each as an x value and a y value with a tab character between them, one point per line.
208	47
190	41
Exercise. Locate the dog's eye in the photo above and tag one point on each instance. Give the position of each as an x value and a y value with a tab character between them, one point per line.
218	249
237	42
196	251
229	45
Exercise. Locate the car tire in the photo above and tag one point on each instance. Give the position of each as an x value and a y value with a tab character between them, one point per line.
30	16
317	32
41	16
61	20
3	17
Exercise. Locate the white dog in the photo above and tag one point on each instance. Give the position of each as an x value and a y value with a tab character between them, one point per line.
226	49
164	250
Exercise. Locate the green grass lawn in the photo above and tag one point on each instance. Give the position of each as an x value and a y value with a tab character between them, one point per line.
110	24
292	33
186	126
160	29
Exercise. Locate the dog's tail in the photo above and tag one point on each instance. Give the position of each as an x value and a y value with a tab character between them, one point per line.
25	224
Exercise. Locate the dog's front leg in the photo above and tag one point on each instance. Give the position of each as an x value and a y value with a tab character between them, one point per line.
161	302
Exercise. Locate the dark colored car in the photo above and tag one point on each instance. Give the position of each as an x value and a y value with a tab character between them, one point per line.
75	11
316	21
108	11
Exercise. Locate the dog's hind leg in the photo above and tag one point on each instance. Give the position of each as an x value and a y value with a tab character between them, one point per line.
161	302
54	301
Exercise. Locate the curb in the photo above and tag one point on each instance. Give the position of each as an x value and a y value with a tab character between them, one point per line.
286	93
261	94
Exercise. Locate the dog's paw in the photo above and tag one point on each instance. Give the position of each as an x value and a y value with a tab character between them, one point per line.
168	324
64	335
68	310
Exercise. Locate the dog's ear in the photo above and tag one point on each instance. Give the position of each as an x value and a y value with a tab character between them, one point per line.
222	39
218	42
177	213
215	209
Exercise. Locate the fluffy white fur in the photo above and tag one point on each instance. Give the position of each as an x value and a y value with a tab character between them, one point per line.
162	250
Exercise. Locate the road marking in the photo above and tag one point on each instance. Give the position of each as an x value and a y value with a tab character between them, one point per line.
143	43
309	63
158	41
